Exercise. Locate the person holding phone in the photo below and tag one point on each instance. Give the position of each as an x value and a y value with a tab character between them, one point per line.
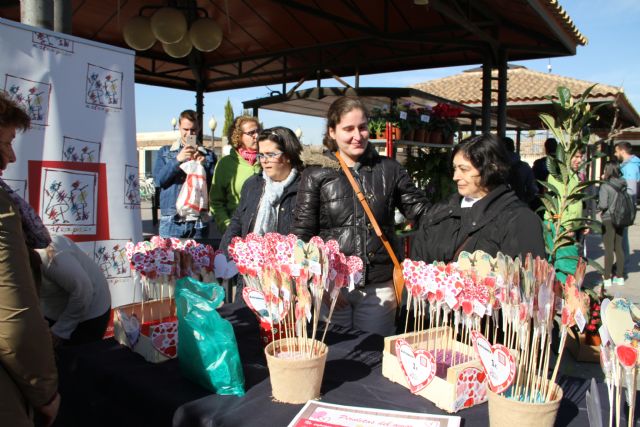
168	175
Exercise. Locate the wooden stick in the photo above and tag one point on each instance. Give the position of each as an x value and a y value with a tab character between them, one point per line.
619	374
551	388
632	396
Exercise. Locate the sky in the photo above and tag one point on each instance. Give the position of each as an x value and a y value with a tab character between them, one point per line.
610	57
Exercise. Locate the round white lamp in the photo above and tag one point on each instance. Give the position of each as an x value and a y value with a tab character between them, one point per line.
137	33
178	50
298	133
205	34
174	122
169	25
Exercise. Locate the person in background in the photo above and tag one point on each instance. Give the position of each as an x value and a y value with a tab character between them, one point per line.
540	171
521	179
630	169
484	214
28	374
233	170
74	294
327	206
611	235
170	177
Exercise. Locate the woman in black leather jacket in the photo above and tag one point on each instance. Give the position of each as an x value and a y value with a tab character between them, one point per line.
327	207
483	215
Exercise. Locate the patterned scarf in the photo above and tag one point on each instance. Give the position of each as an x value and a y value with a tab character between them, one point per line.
248	155
267	217
36	234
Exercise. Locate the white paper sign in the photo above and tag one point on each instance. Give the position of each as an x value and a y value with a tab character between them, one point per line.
403	115
424	118
580	320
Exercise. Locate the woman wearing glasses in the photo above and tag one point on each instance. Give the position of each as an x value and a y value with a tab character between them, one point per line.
267	200
233	170
483	215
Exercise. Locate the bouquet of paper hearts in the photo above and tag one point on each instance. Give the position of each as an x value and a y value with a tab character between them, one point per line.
286	283
149	327
619	356
481	325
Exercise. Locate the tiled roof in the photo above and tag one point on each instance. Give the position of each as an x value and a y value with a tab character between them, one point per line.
523	85
567	22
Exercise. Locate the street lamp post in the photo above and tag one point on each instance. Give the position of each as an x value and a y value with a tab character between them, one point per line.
174	122
212	125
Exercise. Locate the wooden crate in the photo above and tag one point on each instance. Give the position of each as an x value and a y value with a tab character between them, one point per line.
580	350
150	311
450	393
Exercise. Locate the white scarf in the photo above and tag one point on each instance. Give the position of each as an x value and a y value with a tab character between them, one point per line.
267	218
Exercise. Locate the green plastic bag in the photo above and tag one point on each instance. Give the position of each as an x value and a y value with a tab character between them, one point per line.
207	348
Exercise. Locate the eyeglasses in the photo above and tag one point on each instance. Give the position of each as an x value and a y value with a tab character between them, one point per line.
252	133
269	156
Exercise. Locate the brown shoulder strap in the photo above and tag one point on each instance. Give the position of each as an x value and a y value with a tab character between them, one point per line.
367	209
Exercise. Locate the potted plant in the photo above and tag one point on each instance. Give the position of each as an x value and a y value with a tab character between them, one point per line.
377	123
443	124
429	170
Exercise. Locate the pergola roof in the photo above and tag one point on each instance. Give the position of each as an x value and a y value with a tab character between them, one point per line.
316	102
275	41
528	92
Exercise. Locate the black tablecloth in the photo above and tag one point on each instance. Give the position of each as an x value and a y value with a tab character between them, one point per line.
107	384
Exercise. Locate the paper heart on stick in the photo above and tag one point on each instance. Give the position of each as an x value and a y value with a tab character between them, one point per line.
496	360
223	268
419	366
164	337
627	355
470	388
256	301
131	326
618	319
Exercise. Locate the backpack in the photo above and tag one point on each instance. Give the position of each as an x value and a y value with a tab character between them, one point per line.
622	210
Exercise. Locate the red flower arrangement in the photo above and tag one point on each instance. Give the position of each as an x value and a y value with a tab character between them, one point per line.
446	111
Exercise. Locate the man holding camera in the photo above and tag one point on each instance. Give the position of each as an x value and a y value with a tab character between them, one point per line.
170	177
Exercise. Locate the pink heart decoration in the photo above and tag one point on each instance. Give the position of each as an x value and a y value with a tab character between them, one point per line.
496	360
164	337
627	355
471	388
419	366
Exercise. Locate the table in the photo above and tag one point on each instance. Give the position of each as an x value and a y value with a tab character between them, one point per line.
106	384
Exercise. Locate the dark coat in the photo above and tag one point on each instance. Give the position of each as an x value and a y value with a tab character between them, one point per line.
499	222
327	207
243	219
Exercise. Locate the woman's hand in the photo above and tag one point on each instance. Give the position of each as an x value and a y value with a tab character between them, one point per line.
49	411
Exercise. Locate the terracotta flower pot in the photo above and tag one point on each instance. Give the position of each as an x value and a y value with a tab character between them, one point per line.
436	137
592	339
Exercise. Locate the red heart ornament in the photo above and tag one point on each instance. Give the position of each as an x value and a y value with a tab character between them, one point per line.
419	366
497	361
627	355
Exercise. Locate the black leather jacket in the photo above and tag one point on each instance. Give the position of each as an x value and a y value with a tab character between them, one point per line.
497	222
327	207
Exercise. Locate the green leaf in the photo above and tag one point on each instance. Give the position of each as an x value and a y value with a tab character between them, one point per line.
564	94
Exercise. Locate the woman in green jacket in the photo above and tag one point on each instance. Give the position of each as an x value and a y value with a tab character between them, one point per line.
233	170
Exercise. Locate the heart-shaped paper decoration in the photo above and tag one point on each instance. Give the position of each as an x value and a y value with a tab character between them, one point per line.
255	301
497	361
618	319
471	388
131	326
164	337
627	355
223	268
419	366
